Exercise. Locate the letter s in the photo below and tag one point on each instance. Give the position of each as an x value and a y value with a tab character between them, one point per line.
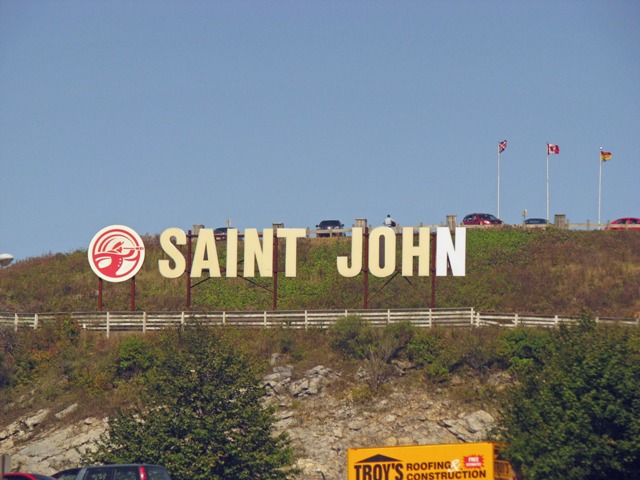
173	252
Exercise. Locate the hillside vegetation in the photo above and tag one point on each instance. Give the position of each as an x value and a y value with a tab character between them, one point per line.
508	270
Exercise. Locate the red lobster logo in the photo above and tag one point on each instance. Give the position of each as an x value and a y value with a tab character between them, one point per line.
116	253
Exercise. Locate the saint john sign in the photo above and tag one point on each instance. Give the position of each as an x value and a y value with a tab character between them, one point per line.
116	253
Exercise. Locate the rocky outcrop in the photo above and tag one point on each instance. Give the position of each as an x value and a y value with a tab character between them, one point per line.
321	426
50	448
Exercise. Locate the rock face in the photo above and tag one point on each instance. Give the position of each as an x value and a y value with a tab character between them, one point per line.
49	449
322	426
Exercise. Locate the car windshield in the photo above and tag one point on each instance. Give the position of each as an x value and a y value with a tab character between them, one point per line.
486	216
330	224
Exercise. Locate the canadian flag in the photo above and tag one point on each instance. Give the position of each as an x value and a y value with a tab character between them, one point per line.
551	148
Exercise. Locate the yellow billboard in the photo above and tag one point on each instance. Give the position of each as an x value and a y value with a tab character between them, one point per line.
429	462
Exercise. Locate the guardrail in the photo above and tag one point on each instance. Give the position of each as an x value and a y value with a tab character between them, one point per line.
296	319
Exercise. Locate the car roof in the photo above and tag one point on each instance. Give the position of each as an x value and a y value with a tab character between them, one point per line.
111	465
38	476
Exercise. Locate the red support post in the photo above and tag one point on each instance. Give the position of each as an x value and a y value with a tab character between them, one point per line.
189	236
432	267
366	267
275	270
133	293
99	294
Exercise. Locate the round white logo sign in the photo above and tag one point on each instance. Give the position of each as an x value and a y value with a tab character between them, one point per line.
116	253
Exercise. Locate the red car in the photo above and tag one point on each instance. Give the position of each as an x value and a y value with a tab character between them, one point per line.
481	219
26	476
626	223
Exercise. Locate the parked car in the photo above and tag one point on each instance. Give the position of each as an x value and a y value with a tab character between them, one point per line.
69	474
132	471
220	233
536	221
626	223
481	219
330	225
25	476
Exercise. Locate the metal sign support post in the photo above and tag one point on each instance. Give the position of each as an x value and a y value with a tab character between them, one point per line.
189	237
275	270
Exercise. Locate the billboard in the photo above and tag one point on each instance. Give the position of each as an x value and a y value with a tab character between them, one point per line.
429	462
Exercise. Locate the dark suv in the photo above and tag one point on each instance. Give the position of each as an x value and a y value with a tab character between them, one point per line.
329	226
133	471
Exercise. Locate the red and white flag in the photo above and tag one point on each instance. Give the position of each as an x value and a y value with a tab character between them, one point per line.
502	146
551	148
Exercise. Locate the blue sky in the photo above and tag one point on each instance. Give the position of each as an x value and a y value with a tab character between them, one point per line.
158	114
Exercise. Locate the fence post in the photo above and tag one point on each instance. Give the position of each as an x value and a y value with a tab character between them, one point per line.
144	321
555	320
306	319
35	321
108	322
15	321
430	318
388	316
265	318
182	320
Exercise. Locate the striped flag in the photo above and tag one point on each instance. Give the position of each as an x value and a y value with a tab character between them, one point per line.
604	156
552	149
502	146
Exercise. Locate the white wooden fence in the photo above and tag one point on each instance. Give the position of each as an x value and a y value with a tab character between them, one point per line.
298	319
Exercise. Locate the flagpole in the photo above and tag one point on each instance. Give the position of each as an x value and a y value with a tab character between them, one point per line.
547	182
600	186
498	180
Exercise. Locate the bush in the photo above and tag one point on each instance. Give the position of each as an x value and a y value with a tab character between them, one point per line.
133	357
576	416
351	336
427	350
473	349
8	343
524	350
401	334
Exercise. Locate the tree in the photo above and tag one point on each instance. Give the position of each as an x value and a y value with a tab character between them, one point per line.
200	416
577	416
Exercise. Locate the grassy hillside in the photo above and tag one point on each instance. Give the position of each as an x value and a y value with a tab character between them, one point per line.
508	270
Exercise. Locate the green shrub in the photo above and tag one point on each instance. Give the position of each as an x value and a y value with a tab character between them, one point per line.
401	334
133	357
68	331
474	349
524	350
351	336
8	343
427	349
